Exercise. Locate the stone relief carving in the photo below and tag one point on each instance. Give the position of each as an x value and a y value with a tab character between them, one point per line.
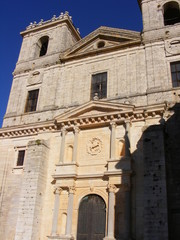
94	146
35	77
172	47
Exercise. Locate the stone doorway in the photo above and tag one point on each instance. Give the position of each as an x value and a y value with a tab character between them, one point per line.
92	218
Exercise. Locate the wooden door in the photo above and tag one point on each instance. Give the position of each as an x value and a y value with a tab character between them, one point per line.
91	218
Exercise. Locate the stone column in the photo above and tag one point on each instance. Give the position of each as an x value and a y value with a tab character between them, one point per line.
127	211
75	148
70	212
113	141
56	211
127	139
111	213
62	150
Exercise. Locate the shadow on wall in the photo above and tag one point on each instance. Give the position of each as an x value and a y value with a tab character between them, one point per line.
155	183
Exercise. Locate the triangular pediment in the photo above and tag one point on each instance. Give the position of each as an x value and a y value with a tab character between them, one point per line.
93	109
102	40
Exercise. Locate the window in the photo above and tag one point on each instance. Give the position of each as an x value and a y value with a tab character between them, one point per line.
32	100
175	74
43	45
20	159
99	85
171	13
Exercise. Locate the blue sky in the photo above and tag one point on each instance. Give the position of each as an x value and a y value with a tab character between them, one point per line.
15	16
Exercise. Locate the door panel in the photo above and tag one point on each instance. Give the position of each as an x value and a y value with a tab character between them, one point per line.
92	218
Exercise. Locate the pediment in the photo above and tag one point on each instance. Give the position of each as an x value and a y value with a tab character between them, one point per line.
93	109
102	40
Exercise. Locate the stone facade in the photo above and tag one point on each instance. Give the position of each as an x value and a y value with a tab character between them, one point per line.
118	152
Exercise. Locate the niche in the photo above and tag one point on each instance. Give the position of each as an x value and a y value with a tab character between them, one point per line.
63	223
69	154
120	147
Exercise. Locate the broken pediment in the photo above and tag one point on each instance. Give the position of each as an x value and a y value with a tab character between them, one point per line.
93	109
102	40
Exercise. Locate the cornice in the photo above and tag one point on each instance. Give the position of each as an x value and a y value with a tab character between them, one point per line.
28	129
86	122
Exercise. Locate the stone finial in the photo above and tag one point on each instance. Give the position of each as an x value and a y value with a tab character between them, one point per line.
53	18
41	22
61	15
30	25
66	13
34	24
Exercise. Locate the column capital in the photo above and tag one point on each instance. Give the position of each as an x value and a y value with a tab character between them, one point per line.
57	190
72	189
128	123
63	130
112	188
113	124
76	129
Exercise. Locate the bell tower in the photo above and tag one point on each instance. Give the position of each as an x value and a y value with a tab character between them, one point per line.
161	19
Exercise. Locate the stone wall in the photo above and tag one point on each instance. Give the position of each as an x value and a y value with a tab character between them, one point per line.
155	195
32	192
140	76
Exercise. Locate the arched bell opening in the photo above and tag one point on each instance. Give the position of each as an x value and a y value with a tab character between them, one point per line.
171	13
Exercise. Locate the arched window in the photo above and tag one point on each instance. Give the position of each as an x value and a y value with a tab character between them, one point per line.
171	13
43	45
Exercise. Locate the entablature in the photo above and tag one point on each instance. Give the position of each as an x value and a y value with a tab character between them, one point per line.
90	115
